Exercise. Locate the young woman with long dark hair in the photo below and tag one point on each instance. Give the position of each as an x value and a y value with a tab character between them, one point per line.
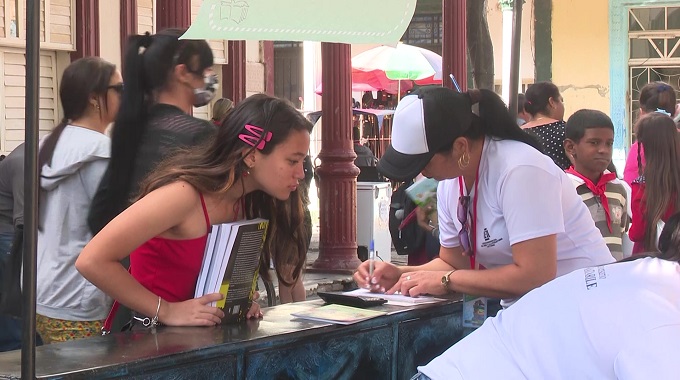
72	161
656	193
252	168
654	96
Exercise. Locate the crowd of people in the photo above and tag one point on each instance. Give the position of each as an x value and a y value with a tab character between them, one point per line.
534	201
537	204
105	229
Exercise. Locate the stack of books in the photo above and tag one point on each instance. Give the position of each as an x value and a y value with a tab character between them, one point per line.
230	265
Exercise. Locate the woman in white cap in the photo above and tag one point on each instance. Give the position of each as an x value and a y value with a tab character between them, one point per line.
502	204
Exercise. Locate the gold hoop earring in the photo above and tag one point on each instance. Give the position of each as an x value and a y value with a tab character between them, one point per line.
464	160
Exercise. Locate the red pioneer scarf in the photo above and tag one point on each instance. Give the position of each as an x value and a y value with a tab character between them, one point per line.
598	190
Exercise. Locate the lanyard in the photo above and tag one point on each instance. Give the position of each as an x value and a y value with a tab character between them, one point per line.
472	213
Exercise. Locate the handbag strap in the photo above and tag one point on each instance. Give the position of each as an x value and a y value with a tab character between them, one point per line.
106	327
108	322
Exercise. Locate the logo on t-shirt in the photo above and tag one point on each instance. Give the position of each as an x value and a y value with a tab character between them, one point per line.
488	241
592	275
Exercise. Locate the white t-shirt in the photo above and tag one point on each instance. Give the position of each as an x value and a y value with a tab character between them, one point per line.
522	195
618	321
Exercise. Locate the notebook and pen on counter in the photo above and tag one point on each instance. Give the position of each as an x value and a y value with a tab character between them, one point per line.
354	306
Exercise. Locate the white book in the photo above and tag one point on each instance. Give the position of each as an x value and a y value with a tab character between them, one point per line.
220	252
207	260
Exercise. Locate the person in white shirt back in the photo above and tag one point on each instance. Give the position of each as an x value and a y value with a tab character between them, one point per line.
501	203
617	321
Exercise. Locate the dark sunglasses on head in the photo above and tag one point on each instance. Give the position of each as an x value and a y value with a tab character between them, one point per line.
117	87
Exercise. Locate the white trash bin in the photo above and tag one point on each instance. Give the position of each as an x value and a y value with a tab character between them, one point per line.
373	211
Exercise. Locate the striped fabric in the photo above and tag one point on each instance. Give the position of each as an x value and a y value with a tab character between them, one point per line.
616	196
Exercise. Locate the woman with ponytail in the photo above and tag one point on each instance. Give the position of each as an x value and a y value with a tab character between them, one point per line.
654	97
164	78
72	161
656	193
501	203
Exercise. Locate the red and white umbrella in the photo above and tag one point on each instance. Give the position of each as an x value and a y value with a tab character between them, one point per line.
403	62
394	69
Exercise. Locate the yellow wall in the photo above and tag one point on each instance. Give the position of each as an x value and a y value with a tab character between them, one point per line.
580	62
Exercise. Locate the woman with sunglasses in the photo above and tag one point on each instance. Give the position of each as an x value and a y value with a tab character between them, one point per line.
502	204
72	161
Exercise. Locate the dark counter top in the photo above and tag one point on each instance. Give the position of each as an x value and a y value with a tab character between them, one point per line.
125	354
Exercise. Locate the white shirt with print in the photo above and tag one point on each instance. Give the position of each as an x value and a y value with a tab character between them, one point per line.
618	321
522	195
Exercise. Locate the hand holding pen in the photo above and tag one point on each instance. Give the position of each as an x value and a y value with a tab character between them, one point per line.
376	276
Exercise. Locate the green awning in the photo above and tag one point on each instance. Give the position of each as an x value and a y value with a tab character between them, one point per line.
347	21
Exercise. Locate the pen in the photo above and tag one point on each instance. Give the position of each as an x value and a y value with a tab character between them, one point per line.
455	83
371	257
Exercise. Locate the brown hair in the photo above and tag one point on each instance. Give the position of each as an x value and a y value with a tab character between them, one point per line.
537	97
657	95
216	166
221	109
658	135
669	241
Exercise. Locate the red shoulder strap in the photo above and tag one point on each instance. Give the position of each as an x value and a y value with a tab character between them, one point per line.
205	212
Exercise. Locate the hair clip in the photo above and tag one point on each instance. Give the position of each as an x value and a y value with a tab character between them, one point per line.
659	110
254	136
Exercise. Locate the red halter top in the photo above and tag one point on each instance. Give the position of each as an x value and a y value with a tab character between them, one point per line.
169	268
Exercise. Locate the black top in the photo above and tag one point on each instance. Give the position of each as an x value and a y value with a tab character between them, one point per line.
551	136
365	156
167	130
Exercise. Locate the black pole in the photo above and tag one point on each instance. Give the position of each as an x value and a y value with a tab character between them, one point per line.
30	188
514	55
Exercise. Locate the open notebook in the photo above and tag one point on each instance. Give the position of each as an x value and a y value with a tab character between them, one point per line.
338	314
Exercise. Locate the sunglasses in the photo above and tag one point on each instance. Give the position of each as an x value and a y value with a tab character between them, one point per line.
117	87
462	214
